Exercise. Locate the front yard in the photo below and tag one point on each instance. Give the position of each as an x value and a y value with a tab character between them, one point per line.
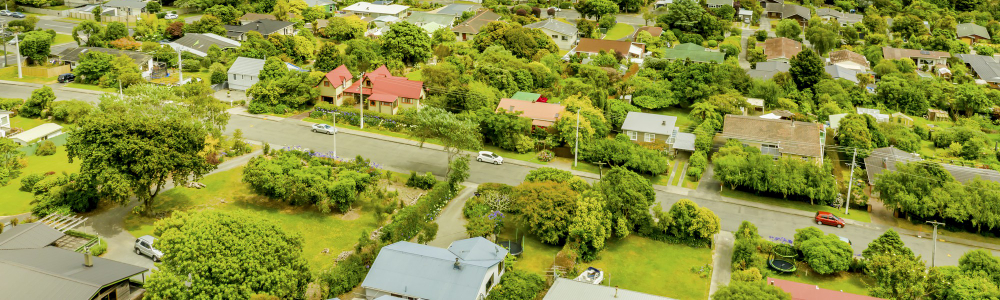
620	31
15	201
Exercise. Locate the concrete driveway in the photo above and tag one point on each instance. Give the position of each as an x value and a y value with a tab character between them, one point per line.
451	222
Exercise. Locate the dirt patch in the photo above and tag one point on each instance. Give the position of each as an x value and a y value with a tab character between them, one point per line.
351	215
407	194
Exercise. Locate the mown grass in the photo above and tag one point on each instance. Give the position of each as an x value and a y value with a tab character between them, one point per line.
13	201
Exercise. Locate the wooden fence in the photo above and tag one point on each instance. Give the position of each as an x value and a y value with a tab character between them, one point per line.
89	16
45	72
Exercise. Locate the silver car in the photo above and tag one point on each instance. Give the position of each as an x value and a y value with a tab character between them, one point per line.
144	246
489	157
5	12
324	128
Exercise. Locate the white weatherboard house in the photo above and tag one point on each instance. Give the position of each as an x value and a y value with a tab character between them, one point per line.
39	133
365	9
467	270
4	123
245	72
563	34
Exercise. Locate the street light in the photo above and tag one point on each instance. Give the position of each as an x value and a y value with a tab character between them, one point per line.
335	132
576	150
934	251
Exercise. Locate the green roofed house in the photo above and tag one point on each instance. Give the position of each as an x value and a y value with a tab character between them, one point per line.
693	52
526	96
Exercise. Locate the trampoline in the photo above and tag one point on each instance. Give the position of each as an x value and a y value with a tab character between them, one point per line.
514	247
782	259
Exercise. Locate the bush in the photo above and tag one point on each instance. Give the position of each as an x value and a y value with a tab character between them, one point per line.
518	284
639	160
423	182
713	43
697	165
761	35
11	104
493	186
47	148
28	182
99	249
71	111
744	254
545	155
748	275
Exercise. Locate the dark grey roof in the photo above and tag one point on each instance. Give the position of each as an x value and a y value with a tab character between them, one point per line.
766	70
836	71
823	12
456	9
252	66
986	67
652	123
568	289
428	272
554	25
886	158
74	54
719	2
28	236
263	26
970	29
202	41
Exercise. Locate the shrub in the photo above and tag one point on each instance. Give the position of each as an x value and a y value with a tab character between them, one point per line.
761	35
546	155
518	284
748	275
713	43
11	104
493	186
99	249
71	111
697	166
28	182
423	182
47	148
744	254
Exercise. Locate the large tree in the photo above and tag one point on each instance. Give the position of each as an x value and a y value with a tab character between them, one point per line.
547	208
35	46
10	160
827	254
788	28
684	15
522	42
89	33
897	276
40	101
132	145
253	255
888	243
628	198
596	8
806	69
406	42
453	132
591	225
344	29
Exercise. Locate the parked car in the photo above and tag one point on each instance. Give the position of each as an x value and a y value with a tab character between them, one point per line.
170	16
490	157
68	77
845	240
825	218
18	15
5	12
555	8
12	41
324	128
144	246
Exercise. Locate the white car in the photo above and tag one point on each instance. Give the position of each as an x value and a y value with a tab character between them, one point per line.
12	41
489	157
555	8
5	12
144	246
324	128
170	16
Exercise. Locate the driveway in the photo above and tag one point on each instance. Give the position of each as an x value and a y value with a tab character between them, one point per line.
451	221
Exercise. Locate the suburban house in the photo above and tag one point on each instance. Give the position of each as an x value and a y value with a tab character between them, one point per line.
803	291
744	15
467	270
563	34
252	17
325	5
127	7
781	49
263	26
569	289
470	28
662	3
985	67
542	114
636	52
937	115
695	53
369	10
875	113
385	93
887	158
653	31
245	72
971	33
839	72
800	14
455	9
331	88
849	59
81	3
766	3
39	133
921	58
72	56
718	3
767	69
198	43
845	19
776	137
659	129
5	127
38	263
421	18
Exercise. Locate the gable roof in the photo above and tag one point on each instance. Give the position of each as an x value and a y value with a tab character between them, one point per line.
339	75
653	30
986	67
767	69
422	17
802	291
781	48
837	71
541	113
455	9
790	10
651	123
252	66
198	43
794	137
849	56
827	12
897	53
382	82
263	26
971	29
694	53
366	7
849	18
75	54
568	289
473	24
126	4
428	272
589	45
554	25
29	236
882	159
250	17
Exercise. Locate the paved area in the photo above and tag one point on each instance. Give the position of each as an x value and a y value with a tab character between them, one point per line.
13	89
451	222
722	259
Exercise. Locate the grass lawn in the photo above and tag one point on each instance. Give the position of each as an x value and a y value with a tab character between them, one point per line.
10	73
91	87
415	75
320	231
853	283
856	214
26	123
690	184
60	7
677	178
14	201
620	30
658	268
62	39
537	257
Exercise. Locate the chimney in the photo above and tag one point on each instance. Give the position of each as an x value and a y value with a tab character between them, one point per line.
88	260
457	266
772	282
664	123
511	108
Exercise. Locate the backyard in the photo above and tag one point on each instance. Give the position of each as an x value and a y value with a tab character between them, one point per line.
854	283
620	31
16	202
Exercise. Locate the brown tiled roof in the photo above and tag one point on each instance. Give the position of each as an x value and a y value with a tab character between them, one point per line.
254	17
595	46
848	55
653	30
781	48
793	137
472	25
897	53
541	113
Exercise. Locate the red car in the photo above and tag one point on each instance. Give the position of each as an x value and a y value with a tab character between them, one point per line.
825	218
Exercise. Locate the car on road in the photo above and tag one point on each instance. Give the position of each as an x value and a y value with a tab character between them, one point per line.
12	41
144	246
18	15
68	77
5	12
170	16
324	128
556	9
826	218
845	240
489	157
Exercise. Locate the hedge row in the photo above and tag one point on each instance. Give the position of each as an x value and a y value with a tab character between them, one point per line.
352	116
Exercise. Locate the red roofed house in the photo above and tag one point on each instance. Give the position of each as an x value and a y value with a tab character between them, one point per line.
331	89
802	291
542	115
386	93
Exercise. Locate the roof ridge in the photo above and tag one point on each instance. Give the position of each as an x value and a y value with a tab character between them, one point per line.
428	256
37	270
32	225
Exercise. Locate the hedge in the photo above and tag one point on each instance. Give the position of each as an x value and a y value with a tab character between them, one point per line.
352	116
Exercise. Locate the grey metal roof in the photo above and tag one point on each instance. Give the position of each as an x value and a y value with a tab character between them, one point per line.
554	25
422	17
252	66
263	26
767	69
652	123
456	9
886	158
56	273
719	2
74	54
836	71
970	29
202	41
986	67
823	12
126	3
684	141
388	297
568	289
428	272
318	2
28	236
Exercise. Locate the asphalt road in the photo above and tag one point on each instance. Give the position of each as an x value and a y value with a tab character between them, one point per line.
23	91
396	156
58	26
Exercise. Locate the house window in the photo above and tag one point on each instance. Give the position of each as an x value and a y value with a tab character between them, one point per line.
565	38
649	137
326	83
555	36
771	150
632	135
489	283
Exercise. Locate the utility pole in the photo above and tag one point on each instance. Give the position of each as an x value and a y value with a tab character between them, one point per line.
576	149
18	56
600	166
179	67
361	95
335	132
850	183
3	31
934	252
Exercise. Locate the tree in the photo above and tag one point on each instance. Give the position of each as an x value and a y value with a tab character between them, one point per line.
253	255
10	160
326	59
458	172
806	69
210	24
406	42
888	243
789	28
131	146
687	220
970	97
685	15
92	66
896	276
35	46
149	28
628	198
596	8
544	174
505	129
344	29
175	30
547	208
88	33
738	290
982	263
824	37
273	69
452	131
522	42
39	102
442	35
228	14
518	285
826	254
591	225
115	30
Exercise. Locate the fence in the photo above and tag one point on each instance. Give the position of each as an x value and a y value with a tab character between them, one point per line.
89	16
44	11
45	72
59	140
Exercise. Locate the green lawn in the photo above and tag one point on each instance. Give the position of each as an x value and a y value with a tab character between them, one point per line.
14	201
853	283
320	231
62	39
26	123
652	267
415	75
856	214
10	73
91	87
537	257
620	30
